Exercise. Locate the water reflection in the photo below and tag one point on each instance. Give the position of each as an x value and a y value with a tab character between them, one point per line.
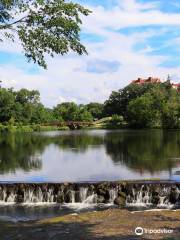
152	150
20	152
89	155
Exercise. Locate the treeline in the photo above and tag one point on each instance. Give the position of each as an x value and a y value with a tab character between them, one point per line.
24	107
137	106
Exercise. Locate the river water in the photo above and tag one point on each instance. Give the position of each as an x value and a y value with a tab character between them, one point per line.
84	155
90	155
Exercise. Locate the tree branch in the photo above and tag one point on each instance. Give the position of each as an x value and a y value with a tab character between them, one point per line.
6	26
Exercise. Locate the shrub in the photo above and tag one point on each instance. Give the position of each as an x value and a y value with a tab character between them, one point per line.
116	122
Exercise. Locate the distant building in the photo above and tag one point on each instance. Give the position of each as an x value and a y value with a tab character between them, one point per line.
155	80
148	80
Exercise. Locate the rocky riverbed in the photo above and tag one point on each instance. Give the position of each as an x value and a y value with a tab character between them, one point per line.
111	224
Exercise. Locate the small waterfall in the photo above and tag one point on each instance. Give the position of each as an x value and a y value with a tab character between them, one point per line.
159	195
72	196
3	195
50	196
140	198
33	196
11	198
92	199
83	194
112	195
7	196
162	201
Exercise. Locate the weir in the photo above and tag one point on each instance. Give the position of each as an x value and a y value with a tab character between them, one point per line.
124	194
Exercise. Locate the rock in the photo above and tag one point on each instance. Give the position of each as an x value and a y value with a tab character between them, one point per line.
101	192
19	199
60	197
77	196
122	194
123	187
120	201
100	199
173	197
155	199
69	196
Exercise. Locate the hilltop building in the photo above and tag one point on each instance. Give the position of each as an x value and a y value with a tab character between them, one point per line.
155	80
148	80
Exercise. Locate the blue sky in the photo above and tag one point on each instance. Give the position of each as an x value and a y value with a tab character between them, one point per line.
125	39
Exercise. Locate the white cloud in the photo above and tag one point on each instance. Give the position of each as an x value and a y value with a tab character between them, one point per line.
67	77
128	13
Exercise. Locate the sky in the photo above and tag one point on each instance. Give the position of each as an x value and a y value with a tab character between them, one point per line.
125	39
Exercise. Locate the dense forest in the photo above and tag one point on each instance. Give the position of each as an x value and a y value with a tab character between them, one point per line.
137	106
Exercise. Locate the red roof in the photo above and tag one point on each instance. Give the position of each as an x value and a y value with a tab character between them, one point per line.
176	84
148	80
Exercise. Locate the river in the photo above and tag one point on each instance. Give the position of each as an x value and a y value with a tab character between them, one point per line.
90	155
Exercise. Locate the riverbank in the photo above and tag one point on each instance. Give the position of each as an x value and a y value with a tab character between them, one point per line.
49	128
111	224
30	128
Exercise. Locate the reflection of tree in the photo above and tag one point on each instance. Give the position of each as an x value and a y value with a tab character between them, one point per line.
77	142
23	151
150	150
20	151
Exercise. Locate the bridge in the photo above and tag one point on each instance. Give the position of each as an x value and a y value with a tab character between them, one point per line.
73	125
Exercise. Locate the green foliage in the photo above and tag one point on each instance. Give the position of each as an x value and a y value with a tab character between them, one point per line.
22	111
141	112
85	116
116	122
43	26
69	111
118	101
96	109
6	104
139	106
146	105
171	113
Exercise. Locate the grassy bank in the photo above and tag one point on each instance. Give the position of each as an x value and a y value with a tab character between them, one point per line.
104	123
30	128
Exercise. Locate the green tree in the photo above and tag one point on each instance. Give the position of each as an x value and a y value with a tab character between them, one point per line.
159	107
27	106
26	96
118	101
116	122
67	111
141	112
43	26
85	116
6	104
171	113
96	109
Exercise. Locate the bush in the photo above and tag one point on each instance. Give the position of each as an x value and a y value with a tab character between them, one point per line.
116	122
2	127
36	127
